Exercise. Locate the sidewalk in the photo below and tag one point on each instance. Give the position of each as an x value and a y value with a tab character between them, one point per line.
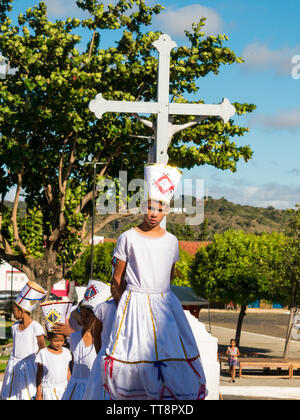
271	388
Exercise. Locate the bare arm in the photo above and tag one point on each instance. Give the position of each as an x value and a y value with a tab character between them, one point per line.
39	377
41	342
172	273
69	374
118	282
97	335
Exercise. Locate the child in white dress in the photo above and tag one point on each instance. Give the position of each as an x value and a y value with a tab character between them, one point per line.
53	370
83	353
105	315
19	382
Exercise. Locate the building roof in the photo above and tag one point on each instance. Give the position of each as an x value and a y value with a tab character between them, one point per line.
188	297
192	247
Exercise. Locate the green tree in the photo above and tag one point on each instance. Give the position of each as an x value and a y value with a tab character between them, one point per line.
233	268
48	133
102	267
286	282
182	268
204	230
182	232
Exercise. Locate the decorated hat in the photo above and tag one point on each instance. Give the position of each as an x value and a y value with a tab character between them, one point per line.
162	181
96	292
56	311
30	296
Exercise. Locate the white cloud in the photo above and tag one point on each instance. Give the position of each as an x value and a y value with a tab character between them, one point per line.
59	9
176	21
286	119
259	57
264	195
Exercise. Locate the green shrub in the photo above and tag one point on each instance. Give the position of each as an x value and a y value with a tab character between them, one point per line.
81	272
182	268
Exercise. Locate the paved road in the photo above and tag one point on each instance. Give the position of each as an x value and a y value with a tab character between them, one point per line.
267	323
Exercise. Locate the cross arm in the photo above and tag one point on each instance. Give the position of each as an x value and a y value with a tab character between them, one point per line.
225	110
100	106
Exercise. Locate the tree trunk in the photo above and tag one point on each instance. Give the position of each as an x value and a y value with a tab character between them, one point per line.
289	332
45	273
239	324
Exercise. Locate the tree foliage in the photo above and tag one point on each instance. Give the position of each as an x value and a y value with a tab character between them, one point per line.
287	266
102	265
48	133
232	267
241	268
182	269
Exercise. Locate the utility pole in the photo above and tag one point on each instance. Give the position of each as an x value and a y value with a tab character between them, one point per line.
94	164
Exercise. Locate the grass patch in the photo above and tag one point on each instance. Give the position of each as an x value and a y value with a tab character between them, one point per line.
2	367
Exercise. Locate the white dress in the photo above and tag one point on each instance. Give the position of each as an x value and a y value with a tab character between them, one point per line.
19	382
105	312
152	353
55	372
83	359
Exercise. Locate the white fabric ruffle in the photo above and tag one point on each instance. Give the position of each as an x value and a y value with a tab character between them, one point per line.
53	392
94	388
19	382
76	389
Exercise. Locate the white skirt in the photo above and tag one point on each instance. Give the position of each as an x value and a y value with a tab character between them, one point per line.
75	389
19	382
52	392
152	352
94	387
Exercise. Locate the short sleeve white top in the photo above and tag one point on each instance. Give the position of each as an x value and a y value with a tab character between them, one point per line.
25	342
149	260
55	366
106	312
83	356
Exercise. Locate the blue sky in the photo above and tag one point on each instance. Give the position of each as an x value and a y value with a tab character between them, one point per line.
266	34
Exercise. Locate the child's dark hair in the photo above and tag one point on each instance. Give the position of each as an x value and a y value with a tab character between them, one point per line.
51	335
89	309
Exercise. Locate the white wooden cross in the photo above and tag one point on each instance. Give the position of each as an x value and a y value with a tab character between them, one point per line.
164	129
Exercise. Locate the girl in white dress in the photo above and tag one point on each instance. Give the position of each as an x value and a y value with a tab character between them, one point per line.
152	353
53	370
83	353
19	382
105	315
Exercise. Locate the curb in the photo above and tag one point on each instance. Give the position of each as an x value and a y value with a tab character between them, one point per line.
262	391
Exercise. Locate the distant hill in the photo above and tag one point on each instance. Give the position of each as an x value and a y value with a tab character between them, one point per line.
220	215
